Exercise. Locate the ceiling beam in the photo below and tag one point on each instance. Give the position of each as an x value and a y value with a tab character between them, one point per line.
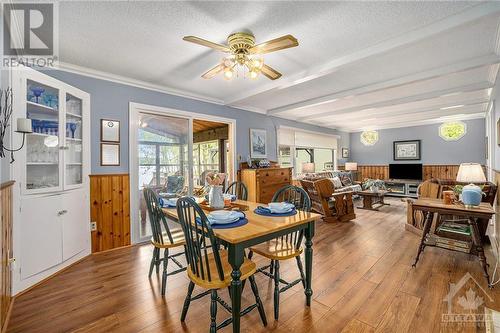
451	22
429	114
457	67
478	115
383	115
400	100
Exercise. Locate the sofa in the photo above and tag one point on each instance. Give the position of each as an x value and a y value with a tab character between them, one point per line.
434	188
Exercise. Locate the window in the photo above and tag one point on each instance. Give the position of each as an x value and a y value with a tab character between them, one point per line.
452	131
205	158
369	138
321	157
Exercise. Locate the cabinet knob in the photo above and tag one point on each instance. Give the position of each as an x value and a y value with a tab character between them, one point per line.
62	212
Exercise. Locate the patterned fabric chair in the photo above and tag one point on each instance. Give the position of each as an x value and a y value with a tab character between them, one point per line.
333	205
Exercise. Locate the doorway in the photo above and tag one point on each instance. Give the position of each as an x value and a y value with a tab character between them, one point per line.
171	151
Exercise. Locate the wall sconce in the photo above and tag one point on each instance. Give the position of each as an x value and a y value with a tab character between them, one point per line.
23	124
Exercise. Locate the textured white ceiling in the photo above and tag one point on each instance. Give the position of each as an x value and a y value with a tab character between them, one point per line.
143	41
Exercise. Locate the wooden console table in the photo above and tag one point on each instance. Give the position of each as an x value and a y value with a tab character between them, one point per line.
436	206
370	199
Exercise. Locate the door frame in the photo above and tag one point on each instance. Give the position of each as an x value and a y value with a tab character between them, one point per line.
134	110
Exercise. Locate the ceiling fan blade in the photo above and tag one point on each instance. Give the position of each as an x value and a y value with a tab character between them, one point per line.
203	42
280	43
214	71
270	72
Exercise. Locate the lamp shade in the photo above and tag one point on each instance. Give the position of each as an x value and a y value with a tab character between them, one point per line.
470	173
307	167
351	166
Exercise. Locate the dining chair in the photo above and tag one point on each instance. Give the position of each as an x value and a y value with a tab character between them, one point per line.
162	240
285	247
208	265
238	189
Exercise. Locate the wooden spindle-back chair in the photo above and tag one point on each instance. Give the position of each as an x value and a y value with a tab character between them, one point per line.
284	247
238	189
208	265
162	240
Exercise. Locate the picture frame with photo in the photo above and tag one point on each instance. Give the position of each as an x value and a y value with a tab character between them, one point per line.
258	143
345	153
408	150
110	130
110	154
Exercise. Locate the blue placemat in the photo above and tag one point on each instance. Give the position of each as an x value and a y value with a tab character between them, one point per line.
165	204
239	223
266	212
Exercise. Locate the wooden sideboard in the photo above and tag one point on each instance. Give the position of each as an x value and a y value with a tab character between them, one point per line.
263	183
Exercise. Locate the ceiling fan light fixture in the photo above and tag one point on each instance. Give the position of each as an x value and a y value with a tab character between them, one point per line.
228	73
253	74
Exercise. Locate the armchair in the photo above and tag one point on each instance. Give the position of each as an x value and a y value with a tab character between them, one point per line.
174	187
334	206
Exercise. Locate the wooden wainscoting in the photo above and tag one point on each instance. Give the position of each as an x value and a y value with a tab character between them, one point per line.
6	245
110	209
441	171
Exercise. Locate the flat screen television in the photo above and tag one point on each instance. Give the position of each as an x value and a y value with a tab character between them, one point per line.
411	171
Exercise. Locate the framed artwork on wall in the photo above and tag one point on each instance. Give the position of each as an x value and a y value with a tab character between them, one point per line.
258	143
110	154
406	150
110	130
345	153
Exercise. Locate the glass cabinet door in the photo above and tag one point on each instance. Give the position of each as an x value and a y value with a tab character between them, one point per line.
42	146
73	135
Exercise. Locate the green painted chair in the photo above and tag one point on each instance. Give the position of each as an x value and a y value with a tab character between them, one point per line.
167	240
238	189
210	269
285	247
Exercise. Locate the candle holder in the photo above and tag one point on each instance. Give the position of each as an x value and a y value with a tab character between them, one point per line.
23	124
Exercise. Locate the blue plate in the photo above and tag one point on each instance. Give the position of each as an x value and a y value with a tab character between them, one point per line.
266	212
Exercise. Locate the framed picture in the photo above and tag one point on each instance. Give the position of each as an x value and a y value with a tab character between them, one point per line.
258	143
407	150
345	153
110	154
110	130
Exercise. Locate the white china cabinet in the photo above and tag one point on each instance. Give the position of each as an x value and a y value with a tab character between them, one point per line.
51	173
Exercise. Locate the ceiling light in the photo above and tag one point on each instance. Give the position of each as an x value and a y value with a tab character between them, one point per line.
144	124
253	74
228	73
452	107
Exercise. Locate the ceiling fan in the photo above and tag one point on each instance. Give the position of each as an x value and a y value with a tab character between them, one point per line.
243	52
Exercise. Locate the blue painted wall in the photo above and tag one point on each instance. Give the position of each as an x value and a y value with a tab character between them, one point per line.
470	148
110	100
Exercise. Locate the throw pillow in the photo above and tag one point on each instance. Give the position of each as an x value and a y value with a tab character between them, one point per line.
336	182
346	181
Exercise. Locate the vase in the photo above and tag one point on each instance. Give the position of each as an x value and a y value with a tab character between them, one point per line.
216	197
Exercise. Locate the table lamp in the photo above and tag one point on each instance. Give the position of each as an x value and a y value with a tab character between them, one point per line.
307	167
471	173
353	167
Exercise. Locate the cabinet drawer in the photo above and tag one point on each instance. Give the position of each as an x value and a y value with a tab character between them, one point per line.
276	176
267	192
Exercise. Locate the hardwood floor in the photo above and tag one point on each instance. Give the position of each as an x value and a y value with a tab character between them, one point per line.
362	282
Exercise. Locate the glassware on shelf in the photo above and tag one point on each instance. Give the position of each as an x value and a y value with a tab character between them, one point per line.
37	92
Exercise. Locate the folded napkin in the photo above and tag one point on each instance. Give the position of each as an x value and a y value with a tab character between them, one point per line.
231	217
280	207
168	203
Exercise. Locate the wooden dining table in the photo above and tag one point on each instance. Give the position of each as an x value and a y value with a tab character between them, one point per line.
260	229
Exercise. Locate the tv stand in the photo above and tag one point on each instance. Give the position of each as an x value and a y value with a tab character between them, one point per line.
402	187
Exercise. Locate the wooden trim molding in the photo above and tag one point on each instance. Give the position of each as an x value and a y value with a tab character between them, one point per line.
6	253
110	209
441	171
